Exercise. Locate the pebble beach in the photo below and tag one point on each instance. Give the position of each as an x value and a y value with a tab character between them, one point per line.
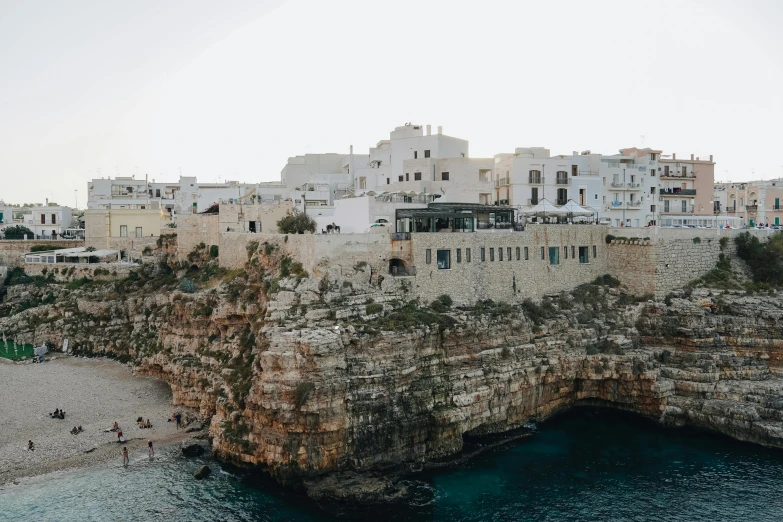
94	393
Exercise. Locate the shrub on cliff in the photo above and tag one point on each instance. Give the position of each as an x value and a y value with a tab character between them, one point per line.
609	238
214	251
187	286
296	223
764	259
302	393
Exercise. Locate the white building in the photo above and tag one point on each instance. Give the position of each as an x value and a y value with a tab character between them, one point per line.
49	222
413	160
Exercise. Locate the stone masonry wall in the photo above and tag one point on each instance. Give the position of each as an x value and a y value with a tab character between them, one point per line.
11	251
64	272
507	279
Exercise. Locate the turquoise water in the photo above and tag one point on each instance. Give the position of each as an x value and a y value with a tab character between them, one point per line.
583	465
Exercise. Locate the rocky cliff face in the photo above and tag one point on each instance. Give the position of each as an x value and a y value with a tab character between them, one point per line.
309	375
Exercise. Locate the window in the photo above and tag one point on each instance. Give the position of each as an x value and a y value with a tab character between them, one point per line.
652	190
518	253
407	176
444	176
573	252
583	256
467	255
426	154
491	254
415	154
652	172
388	181
399	178
652	156
500	253
526	254
417	176
543	256
54	219
157	193
138	232
428	256
123	230
665	170
508	253
574	171
483	258
652	208
554	255
594	253
43	218
459	255
777	203
565	252
444	259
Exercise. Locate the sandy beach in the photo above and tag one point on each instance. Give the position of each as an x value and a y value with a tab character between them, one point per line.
94	394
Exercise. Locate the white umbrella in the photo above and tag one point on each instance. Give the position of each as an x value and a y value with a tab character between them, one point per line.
545	208
574	209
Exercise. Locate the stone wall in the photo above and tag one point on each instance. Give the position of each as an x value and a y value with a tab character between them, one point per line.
12	251
499	278
194	229
65	272
665	264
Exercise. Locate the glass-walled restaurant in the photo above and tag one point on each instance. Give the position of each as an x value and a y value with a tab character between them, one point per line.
455	217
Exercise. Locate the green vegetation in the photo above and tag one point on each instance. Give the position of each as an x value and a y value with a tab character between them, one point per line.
187	286
214	251
696	240
442	303
724	241
296	223
764	259
605	346
411	316
720	277
373	308
147	250
40	248
302	393
18	232
609	238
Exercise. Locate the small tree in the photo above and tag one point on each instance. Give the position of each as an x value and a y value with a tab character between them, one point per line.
296	223
18	232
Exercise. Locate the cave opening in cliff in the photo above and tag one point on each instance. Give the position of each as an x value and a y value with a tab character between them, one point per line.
397	267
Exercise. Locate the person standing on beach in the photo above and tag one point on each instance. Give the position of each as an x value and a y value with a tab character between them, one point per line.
125	459
150	449
178	416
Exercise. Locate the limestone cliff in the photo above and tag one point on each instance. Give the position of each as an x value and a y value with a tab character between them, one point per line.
309	374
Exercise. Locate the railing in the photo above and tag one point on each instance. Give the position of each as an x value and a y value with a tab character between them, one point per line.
535	180
501	182
533	201
635	203
751	208
486	225
561	201
561	181
634	185
400	236
615	204
402	271
671	210
618	185
678	192
690	175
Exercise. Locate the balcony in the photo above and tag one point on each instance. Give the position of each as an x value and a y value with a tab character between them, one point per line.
751	208
618	185
502	182
678	210
674	192
635	203
634	186
535	180
678	175
561	180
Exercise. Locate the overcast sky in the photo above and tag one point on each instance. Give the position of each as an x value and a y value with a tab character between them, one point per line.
230	90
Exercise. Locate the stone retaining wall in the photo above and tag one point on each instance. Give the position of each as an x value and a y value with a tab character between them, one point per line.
64	272
12	251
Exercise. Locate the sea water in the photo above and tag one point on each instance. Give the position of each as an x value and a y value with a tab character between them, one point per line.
583	465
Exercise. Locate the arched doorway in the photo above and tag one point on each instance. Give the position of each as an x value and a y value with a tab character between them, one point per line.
397	267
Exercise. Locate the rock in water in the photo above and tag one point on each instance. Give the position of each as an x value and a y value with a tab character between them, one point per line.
203	472
192	449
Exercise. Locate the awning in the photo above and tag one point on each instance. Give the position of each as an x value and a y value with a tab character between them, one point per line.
574	209
545	208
